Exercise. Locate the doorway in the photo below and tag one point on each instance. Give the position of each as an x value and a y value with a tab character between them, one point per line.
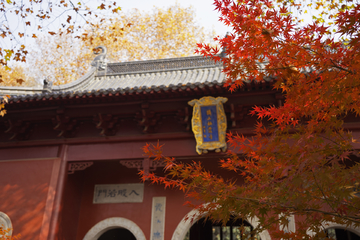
117	234
341	234
233	230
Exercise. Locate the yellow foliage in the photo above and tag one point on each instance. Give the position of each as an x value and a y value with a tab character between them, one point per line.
57	58
15	76
318	10
137	35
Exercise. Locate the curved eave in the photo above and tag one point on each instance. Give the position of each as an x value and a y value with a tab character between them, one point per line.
80	83
111	91
143	93
13	91
154	79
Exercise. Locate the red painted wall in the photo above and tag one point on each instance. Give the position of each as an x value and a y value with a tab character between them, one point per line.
70	207
23	193
29	152
106	172
78	209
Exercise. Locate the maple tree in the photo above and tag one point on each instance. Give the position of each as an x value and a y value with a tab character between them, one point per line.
134	35
300	160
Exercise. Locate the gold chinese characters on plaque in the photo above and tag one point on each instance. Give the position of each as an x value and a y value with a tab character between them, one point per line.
209	124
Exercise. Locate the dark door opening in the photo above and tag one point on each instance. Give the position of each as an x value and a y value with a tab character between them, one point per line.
117	234
341	234
233	230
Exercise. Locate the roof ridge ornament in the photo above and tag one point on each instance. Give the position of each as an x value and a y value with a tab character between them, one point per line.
223	50
99	61
47	87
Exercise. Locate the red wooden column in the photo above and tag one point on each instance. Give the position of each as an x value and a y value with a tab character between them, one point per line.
62	172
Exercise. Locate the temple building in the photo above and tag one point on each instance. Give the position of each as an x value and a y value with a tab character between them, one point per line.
70	154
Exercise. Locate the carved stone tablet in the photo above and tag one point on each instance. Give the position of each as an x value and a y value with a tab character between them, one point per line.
119	193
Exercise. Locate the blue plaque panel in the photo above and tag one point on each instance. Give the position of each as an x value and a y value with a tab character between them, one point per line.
209	123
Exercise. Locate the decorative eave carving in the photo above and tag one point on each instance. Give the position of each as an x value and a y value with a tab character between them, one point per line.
107	123
19	129
132	164
184	116
237	114
146	164
65	125
147	119
78	166
280	98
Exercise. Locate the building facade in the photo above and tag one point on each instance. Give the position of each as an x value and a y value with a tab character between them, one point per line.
70	154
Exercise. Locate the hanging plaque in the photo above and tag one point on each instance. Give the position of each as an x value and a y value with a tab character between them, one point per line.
209	124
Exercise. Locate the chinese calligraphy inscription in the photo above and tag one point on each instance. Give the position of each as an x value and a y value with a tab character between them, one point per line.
209	124
158	218
119	193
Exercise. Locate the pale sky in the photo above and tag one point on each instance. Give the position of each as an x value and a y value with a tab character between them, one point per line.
206	16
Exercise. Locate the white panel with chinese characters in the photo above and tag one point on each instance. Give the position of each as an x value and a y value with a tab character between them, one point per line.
119	193
158	218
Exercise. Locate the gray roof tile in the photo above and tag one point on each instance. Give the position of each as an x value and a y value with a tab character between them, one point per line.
127	77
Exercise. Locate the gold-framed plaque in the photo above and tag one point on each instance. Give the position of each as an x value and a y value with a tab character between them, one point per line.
209	124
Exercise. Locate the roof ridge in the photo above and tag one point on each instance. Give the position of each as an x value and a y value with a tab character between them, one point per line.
77	83
159	65
136	76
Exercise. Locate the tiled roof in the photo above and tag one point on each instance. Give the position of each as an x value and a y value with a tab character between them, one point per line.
137	76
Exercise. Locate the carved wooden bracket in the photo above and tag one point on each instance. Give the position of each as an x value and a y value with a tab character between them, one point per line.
184	117
146	164
65	125
78	166
107	123
19	129
280	98
237	114
147	119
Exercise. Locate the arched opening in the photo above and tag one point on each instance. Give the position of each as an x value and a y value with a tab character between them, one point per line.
5	224
341	234
116	234
115	226
233	230
186	223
